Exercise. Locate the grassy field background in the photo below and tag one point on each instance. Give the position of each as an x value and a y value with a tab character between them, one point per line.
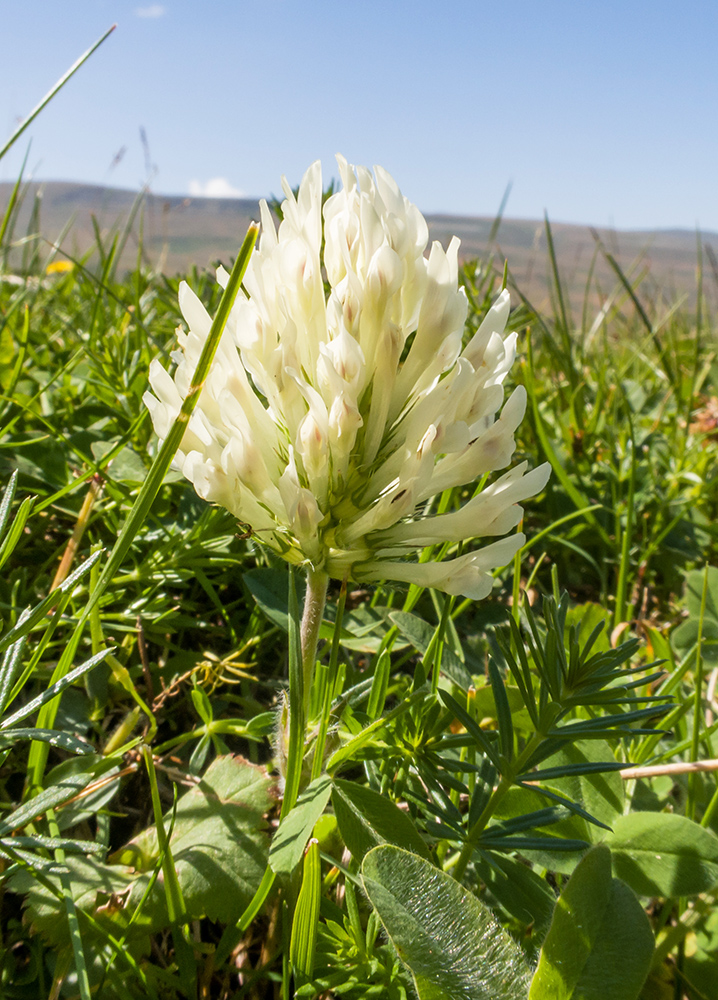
180	620
445	797
179	232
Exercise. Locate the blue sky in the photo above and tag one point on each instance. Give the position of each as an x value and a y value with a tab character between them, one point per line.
602	112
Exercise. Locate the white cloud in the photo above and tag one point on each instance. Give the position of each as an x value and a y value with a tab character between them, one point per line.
154	10
217	187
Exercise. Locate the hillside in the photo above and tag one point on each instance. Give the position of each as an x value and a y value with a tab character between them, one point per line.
181	232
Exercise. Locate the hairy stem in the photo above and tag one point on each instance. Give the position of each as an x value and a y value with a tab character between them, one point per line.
329	687
314	601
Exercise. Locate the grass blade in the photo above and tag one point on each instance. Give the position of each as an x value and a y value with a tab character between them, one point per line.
306	916
150	487
51	797
54	689
51	93
173	891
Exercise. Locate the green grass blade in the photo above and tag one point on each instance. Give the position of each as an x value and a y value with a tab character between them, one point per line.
7	499
297	720
150	489
29	618
173	892
51	797
21	353
563	312
618	271
10	663
55	737
78	950
16	530
379	685
697	701
575	494
627	534
51	93
498	218
54	689
306	917
12	203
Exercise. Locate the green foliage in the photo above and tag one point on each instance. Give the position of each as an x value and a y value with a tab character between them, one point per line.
449	940
600	944
296	828
685	636
512	887
351	960
367	819
419	634
468	756
661	854
218	842
303	942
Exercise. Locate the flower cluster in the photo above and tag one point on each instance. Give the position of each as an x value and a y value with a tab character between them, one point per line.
341	399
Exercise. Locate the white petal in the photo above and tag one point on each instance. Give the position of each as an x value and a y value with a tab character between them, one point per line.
468	575
494	511
494	322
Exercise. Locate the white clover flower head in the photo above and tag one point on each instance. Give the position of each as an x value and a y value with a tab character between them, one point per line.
329	418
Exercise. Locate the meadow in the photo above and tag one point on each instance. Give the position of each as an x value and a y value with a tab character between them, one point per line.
179	232
501	798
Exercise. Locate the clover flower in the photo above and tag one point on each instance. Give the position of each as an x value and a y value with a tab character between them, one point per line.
341	400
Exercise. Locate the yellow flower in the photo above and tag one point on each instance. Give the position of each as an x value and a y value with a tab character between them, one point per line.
59	267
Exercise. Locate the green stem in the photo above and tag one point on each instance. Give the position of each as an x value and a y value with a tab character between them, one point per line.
314	601
491	806
698	700
299	690
711	810
626	539
507	780
329	686
176	909
432	658
73	926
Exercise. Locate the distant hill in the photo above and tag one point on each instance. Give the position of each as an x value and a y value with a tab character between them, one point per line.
181	232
